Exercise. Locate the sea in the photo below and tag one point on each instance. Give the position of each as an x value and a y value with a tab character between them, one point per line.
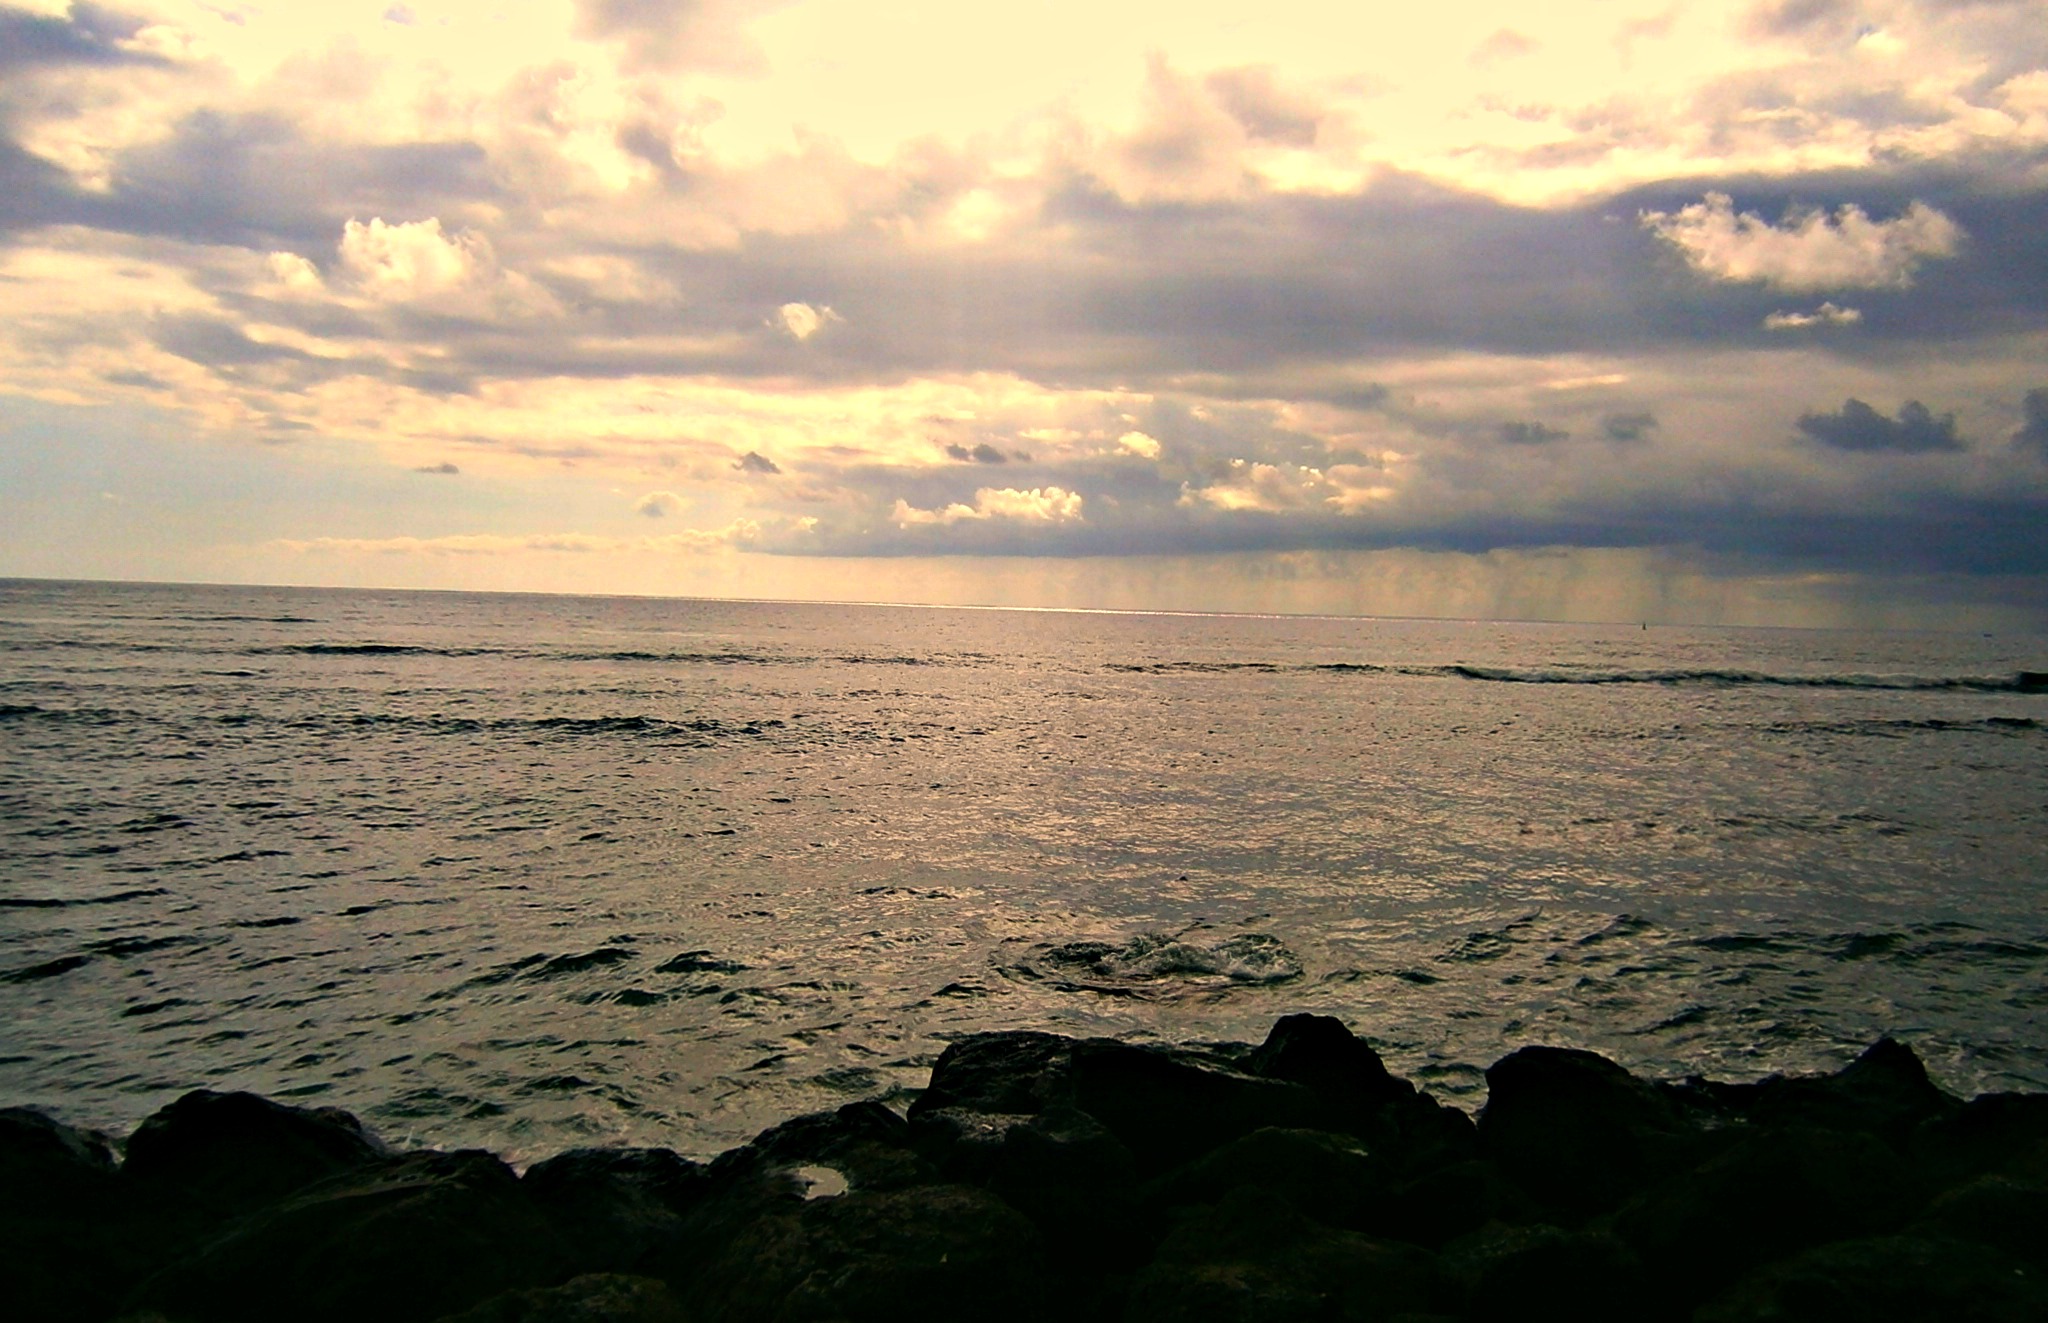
534	872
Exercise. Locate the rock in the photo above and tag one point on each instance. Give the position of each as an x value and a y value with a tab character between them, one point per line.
1772	1194
935	1252
616	1207
865	1141
2002	1132
1320	1053
1578	1132
1450	1202
1889	1279
1076	1182
1164	1106
1884	1092
63	1251
410	1239
1252	1258
1998	1211
1546	1272
1326	1177
231	1153
592	1298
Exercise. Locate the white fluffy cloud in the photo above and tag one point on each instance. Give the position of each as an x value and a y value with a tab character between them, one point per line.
1827	314
801	321
1808	250
1037	505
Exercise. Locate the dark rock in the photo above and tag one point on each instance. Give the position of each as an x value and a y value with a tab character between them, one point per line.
1076	1182
1546	1272
1320	1053
1889	1279
2002	1212
1772	1194
1452	1201
1164	1106
936	1252
1578	1132
1252	1258
64	1253
409	1239
231	1153
616	1207
1329	1178
2002	1132
865	1141
592	1298
1884	1092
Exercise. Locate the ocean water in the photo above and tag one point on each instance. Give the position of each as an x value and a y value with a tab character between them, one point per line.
530	872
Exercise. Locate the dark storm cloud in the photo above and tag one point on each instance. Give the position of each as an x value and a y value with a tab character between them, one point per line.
89	34
1520	433
980	454
1628	426
2033	433
755	462
1857	426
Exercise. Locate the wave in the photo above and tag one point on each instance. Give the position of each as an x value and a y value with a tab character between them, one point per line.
2019	682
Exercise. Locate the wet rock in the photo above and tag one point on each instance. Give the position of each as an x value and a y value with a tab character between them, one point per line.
935	1252
231	1153
1452	1201
409	1239
1578	1132
1889	1279
1884	1092
1320	1053
616	1207
1164	1106
63	1251
1252	1258
592	1298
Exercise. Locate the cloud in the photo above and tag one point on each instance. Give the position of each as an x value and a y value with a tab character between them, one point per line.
801	321
1859	427
87	35
2033	432
1811	249
1037	505
756	462
1827	314
981	453
444	467
657	505
1506	44
738	534
1137	443
410	260
1519	433
1628	426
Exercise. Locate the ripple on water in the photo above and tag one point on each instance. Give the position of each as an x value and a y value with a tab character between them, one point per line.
1157	965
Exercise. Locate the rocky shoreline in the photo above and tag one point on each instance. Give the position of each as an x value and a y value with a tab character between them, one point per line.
1048	1177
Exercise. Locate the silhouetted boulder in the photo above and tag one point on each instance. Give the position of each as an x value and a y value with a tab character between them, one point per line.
409	1239
1998	1211
1885	1092
1361	1096
230	1153
1577	1131
1164	1106
616	1207
64	1254
2002	1132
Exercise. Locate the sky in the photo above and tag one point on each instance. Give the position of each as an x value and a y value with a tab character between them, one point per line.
1677	311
